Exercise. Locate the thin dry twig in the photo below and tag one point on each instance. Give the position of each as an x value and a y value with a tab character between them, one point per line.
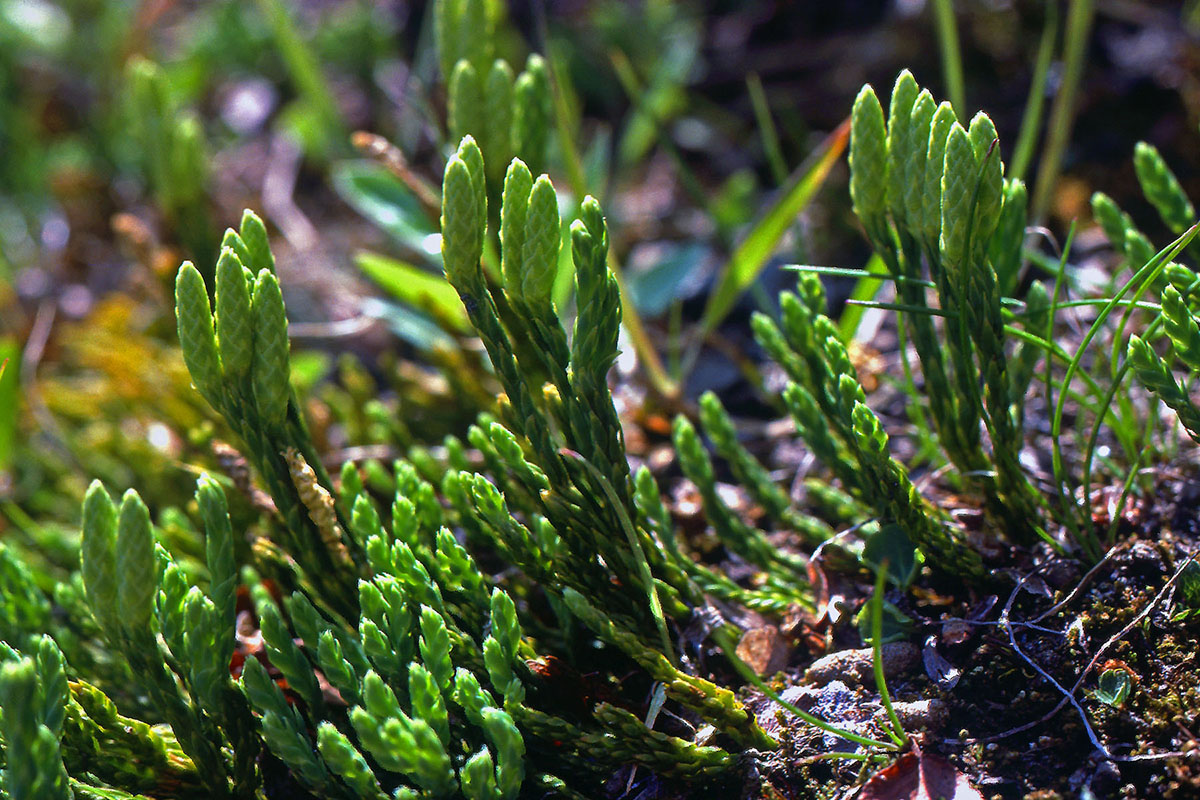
337	329
1083	582
1116	637
31	357
378	452
388	154
1069	695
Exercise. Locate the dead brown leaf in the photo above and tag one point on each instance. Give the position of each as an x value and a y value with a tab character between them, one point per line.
764	649
919	776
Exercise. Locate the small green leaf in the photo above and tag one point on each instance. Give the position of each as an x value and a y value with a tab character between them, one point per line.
218	547
653	290
1113	221
464	220
1162	188
344	759
991	184
233	240
478	777
272	372
868	158
920	127
98	556
1113	687
137	565
196	336
931	205
897	626
258	244
373	191
416	287
1187	598
539	251
498	117
904	96
532	112
891	544
958	187
514	214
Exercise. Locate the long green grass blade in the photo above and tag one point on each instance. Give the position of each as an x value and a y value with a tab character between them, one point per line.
1140	280
850	272
751	255
895	730
864	290
1062	114
766	127
305	71
952	68
1031	119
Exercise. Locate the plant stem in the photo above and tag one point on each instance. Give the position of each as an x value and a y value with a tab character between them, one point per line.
1141	279
635	547
662	383
630	319
305	71
896	731
749	675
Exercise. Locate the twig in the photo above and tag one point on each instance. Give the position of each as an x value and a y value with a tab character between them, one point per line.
1062	113
1135	621
1091	573
31	357
1069	696
1155	756
336	329
378	452
388	154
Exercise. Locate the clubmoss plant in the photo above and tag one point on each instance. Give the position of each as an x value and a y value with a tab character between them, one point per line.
430	678
175	164
509	115
959	229
1155	372
237	354
509	615
932	199
429	658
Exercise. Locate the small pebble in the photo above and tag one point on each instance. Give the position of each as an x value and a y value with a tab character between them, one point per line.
930	715
834	702
854	667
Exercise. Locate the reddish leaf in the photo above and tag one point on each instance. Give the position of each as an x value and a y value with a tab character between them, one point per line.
919	776
897	781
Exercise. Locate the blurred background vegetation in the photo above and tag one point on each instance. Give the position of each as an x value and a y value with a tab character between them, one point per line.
133	133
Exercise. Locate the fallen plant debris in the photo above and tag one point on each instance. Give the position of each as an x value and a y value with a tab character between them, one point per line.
919	776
